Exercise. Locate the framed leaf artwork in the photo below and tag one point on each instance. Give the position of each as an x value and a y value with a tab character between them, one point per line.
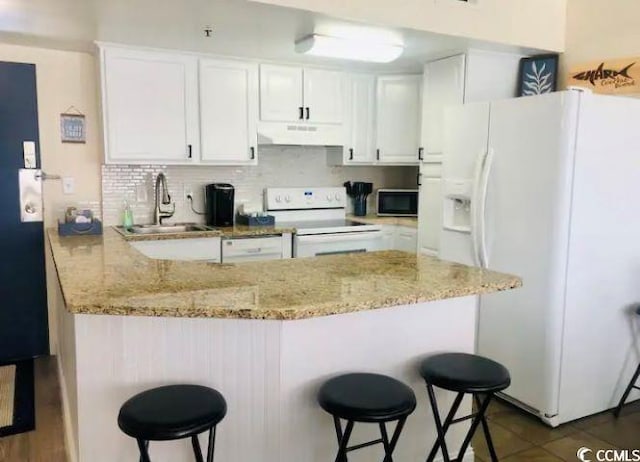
538	75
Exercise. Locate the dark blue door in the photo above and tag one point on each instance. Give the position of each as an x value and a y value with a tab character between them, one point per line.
23	296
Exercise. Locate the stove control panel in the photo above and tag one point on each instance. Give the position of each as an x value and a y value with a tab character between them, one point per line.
304	198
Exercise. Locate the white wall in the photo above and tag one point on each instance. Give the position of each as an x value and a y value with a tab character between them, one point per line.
528	23
600	30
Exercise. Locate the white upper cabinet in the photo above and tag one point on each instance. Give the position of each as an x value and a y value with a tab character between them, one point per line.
228	111
398	101
323	96
294	94
443	86
281	93
359	146
465	78
150	106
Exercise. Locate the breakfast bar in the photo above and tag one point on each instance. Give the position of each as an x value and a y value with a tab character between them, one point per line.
265	334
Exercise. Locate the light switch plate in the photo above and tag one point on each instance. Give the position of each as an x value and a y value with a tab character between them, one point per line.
68	185
29	152
141	193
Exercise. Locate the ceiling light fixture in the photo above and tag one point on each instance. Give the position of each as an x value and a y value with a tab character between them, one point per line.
343	48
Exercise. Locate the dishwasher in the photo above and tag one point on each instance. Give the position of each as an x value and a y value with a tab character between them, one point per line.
252	248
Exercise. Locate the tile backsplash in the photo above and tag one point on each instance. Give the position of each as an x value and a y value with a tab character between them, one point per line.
279	166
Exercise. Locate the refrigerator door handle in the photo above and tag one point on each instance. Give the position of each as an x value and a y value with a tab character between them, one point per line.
482	197
475	207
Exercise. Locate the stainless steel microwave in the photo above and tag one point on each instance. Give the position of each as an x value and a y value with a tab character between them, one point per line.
397	202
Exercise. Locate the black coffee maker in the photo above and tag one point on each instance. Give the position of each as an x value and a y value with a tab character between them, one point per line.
219	204
359	191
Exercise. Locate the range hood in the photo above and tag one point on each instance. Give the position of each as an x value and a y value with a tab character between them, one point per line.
300	134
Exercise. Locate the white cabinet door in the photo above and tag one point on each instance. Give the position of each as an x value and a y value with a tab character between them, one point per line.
430	208
323	96
406	239
150	104
281	93
228	111
360	113
398	118
444	82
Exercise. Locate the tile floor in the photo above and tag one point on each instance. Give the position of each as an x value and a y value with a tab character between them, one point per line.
519	437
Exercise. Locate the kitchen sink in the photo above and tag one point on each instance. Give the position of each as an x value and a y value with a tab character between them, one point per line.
167	229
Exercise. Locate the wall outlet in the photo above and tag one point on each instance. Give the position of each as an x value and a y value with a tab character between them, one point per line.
141	193
188	191
68	185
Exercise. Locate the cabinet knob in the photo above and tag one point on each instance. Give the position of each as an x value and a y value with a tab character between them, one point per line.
189	151
418	178
308	113
350	153
253	152
377	154
420	152
301	115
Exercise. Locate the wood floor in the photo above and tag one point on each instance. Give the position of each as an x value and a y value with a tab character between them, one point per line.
518	437
46	443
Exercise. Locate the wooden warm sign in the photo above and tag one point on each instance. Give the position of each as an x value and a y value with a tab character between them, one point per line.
615	76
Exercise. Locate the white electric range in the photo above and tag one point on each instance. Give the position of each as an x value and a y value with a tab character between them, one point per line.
319	217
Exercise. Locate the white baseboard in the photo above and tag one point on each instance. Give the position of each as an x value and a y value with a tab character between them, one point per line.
69	440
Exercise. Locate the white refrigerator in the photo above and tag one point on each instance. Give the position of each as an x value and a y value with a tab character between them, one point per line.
548	188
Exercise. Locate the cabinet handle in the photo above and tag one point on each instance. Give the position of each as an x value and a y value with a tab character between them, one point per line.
301	116
377	154
189	151
307	113
253	153
350	153
418	178
420	151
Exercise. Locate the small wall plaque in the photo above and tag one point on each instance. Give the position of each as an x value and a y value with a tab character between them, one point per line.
73	126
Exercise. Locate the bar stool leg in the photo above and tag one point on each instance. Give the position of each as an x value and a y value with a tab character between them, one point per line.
389	446
212	444
196	448
343	439
485	430
625	395
442	429
143	446
474	425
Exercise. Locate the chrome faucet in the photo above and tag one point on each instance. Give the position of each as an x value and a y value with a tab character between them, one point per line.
159	214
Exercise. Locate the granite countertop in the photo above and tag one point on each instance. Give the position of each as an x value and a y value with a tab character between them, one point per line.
230	231
106	275
412	222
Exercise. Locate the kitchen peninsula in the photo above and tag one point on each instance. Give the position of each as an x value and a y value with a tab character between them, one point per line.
265	334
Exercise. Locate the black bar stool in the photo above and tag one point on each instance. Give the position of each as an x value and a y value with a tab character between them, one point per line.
173	412
463	373
632	383
369	398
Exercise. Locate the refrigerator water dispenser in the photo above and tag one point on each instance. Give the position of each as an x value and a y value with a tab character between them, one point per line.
456	214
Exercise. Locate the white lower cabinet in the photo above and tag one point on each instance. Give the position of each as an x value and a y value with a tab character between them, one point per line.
256	248
205	249
430	209
406	239
396	237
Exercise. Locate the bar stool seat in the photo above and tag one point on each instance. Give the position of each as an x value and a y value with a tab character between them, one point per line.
465	372
367	398
170	413
381	399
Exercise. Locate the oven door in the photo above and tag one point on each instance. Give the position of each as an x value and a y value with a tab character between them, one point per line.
331	244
